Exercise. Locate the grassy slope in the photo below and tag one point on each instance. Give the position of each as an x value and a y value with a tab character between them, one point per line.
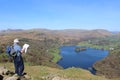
37	72
55	52
102	43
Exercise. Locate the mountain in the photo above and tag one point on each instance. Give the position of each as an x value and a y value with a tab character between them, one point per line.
41	42
64	36
9	30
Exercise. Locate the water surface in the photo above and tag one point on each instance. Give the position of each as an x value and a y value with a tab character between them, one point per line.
84	59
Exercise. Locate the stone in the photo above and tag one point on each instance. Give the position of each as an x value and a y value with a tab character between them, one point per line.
5	74
27	77
59	78
3	71
12	78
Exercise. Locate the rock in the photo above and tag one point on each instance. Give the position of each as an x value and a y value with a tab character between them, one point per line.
49	77
53	77
1	77
3	71
59	78
5	77
27	77
12	78
56	78
5	74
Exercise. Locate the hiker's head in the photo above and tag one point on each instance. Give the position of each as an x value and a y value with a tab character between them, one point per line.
16	41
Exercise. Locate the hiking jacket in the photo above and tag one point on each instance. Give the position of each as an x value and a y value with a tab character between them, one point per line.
18	49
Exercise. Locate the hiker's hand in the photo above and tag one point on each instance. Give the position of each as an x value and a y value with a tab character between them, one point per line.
23	50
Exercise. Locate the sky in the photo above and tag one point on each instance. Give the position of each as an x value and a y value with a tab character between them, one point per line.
60	14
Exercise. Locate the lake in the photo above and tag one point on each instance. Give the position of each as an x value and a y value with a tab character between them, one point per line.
83	59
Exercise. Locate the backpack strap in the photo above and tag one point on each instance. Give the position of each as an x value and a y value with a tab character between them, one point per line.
13	52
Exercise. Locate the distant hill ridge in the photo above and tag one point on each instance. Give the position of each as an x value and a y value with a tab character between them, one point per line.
11	30
67	35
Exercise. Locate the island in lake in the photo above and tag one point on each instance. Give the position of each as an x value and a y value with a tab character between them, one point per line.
78	49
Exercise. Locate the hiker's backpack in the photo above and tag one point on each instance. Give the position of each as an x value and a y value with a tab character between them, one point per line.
10	51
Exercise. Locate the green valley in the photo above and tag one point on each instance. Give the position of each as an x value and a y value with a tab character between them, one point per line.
44	52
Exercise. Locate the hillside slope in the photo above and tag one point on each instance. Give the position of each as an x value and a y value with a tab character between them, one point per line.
41	40
48	73
110	66
63	36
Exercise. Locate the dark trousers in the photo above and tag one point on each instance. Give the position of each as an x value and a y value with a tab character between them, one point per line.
19	65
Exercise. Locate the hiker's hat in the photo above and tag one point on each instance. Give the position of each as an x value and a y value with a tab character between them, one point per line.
16	41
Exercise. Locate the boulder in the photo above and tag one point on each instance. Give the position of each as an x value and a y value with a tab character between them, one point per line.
5	74
27	77
3	71
12	78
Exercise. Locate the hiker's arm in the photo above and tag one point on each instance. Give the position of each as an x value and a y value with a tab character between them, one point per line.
23	50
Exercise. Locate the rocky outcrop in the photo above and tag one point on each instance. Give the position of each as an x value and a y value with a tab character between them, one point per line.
3	71
53	77
6	74
11	78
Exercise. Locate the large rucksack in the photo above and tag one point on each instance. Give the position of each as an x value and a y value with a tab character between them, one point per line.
10	51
